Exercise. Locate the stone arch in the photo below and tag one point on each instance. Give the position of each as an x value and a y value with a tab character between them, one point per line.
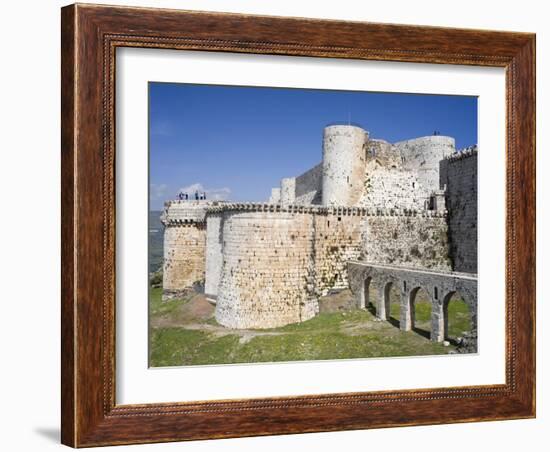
416	325
365	295
386	296
411	303
471	310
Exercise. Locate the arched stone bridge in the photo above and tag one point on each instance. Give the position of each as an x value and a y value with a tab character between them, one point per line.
440	287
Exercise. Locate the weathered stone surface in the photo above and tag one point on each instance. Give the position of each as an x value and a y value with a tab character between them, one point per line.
264	281
344	148
418	240
288	191
309	186
277	264
184	245
422	155
177	212
459	175
392	188
386	154
275	197
214	255
272	266
184	256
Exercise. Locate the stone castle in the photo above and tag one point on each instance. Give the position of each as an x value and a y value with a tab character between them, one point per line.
370	212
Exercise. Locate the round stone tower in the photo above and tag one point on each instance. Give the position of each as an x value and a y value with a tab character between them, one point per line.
344	149
423	156
184	246
266	278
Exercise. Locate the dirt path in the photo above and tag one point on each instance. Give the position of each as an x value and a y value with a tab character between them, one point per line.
194	315
219	331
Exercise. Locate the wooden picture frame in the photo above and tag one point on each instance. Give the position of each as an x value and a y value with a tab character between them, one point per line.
90	35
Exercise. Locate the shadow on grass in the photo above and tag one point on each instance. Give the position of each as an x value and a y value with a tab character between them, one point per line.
371	309
421	332
396	323
392	320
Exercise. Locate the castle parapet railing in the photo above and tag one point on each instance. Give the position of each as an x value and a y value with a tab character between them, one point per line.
321	210
182	212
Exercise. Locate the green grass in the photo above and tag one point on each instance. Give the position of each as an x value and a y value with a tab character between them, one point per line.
459	314
156	306
459	318
159	308
178	346
340	335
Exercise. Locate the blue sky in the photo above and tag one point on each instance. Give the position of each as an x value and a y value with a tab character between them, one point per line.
238	142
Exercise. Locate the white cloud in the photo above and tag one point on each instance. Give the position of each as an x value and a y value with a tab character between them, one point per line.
157	191
214	194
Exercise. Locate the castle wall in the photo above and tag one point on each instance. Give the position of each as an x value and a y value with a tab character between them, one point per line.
184	245
344	149
422	155
214	255
184	257
288	190
309	186
338	238
411	240
266	276
177	211
392	188
385	153
275	197
459	174
277	261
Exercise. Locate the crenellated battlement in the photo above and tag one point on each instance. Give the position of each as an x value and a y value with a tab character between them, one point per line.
183	212
322	210
470	151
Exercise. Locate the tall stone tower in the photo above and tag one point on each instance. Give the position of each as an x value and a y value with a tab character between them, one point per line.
184	246
422	155
344	149
288	191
